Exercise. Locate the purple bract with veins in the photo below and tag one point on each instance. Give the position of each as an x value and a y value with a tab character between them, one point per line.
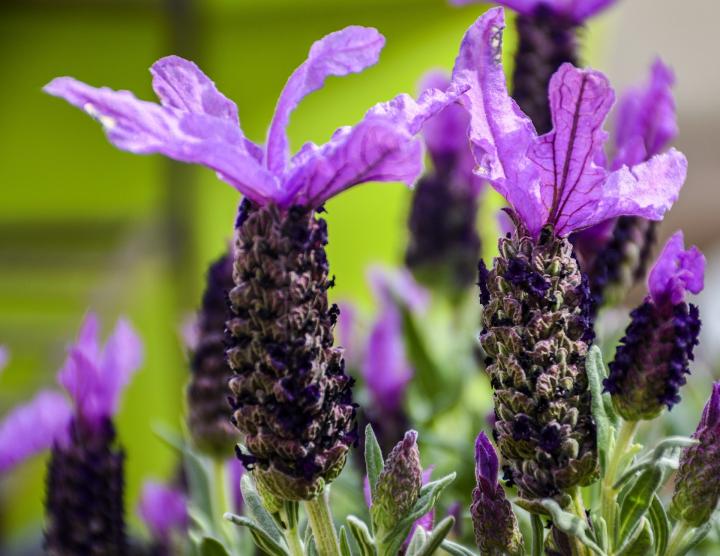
558	178
195	123
385	368
163	509
711	412
94	377
676	271
576	10
486	464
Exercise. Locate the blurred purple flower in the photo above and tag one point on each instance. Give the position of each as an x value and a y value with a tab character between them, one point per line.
577	10
558	178
4	357
195	123
676	271
93	377
236	471
346	334
163	509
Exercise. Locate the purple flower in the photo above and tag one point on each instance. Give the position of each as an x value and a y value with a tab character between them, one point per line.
676	271
93	377
577	10
486	464
163	509
195	123
385	368
558	178
346	333
236	471
4	357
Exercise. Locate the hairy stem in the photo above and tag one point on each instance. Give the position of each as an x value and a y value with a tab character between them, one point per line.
677	539
323	528
578	508
291	532
537	535
612	473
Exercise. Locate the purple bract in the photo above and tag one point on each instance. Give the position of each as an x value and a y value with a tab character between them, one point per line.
676	271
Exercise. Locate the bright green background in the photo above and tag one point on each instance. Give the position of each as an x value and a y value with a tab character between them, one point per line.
83	225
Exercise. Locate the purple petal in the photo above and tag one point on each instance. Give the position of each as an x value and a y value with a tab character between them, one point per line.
34	427
180	84
143	127
676	271
4	357
347	333
236	472
373	150
122	356
571	181
163	509
367	493
486	462
397	286
500	134
646	120
445	134
347	51
711	411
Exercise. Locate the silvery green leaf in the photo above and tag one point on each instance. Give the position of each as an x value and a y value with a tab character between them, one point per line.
605	429
455	549
256	510
695	539
417	541
538	535
312	548
212	547
429	495
373	459
199	521
638	499
641	544
599	527
199	487
362	536
344	542
660	525
571	524
261	538
435	539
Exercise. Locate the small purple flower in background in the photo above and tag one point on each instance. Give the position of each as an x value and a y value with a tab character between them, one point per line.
4	358
385	368
557	179
495	525
616	253
163	509
444	245
653	357
697	489
236	471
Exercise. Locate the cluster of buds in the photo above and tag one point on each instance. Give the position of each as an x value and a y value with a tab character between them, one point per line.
652	358
496	529
207	393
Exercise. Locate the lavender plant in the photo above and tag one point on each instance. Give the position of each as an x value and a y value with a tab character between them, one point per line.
562	474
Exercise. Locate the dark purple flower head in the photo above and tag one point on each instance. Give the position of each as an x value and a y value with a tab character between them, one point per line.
576	10
676	271
195	123
558	178
93	376
164	510
486	464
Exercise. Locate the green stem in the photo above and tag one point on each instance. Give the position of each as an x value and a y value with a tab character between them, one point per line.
677	539
578	508
290	529
538	541
220	500
323	528
608	492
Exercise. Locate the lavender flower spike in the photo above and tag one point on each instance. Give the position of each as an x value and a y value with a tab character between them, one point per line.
697	490
652	358
496	528
195	123
555	179
164	510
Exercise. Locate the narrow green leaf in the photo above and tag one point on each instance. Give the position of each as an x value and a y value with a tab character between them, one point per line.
199	486
261	538
256	510
641	544
212	547
571	524
638	499
455	549
344	542
373	459
538	535
660	525
416	542
695	539
362	536
595	369
435	539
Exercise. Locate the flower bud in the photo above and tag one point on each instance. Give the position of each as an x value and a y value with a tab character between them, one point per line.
291	397
696	486
495	524
398	486
536	335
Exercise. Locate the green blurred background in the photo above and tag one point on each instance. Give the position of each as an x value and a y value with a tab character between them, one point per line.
83	225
